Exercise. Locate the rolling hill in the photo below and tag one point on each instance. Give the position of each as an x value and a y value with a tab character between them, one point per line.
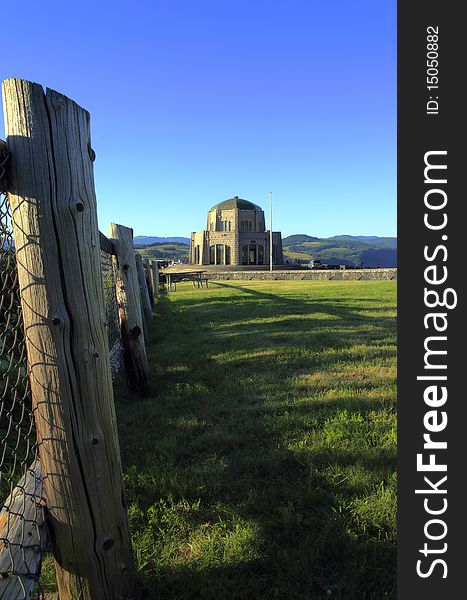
148	240
371	240
369	251
170	250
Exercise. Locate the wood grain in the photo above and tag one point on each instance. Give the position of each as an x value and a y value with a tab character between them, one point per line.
51	192
155	271
149	280
143	288
129	309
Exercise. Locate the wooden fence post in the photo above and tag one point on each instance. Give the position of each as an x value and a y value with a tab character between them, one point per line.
149	280
144	316
155	270
52	197
129	309
145	302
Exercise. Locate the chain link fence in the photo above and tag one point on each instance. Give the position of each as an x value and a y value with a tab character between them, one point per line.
22	533
111	305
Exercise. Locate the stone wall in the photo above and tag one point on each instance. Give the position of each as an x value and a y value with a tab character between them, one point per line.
317	275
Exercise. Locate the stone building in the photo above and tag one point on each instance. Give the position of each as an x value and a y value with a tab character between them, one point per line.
235	235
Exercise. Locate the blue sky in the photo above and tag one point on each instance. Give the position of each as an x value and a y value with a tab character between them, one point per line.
193	102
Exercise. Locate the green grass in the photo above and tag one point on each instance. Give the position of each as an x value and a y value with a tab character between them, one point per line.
263	465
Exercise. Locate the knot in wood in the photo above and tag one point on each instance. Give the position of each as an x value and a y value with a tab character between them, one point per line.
135	332
92	154
108	543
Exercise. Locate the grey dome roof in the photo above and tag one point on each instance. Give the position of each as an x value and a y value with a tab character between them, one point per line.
236	202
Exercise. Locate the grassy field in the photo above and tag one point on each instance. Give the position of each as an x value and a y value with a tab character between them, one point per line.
263	466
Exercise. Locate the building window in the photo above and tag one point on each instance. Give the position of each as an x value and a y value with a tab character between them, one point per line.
260	254
244	255
219	254
252	255
246	226
225	226
197	255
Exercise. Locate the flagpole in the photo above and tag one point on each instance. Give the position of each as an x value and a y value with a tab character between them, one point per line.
270	232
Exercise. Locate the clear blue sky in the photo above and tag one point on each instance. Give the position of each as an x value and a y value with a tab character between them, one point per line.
195	101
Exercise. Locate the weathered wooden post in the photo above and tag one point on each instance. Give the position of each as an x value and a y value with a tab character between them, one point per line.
51	193
155	270
129	309
145	302
144	314
149	280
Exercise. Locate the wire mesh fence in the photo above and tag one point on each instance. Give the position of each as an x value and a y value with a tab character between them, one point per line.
22	533
20	482
111	305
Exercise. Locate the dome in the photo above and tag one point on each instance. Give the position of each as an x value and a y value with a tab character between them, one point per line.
235	202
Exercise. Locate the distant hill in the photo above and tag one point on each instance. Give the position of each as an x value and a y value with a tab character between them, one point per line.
146	240
351	250
298	238
371	240
170	251
369	251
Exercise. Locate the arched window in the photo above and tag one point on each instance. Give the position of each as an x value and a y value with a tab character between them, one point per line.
219	254
252	255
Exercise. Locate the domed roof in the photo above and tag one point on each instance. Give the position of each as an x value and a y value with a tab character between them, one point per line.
235	202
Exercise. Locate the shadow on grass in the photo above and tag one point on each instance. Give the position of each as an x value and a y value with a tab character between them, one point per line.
249	478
